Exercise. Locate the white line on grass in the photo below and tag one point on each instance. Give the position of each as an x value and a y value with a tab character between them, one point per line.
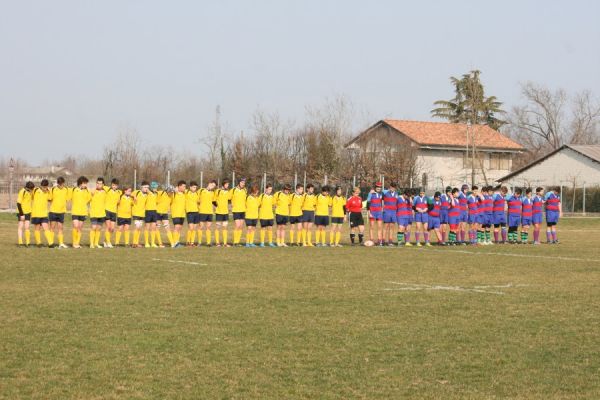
474	289
178	261
492	253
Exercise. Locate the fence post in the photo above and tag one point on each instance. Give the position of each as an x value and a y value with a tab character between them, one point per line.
583	199
135	179
169	177
233	179
295	179
201	179
325	179
353	182
264	181
305	179
383	181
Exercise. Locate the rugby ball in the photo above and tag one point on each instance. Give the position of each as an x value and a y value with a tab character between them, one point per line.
369	243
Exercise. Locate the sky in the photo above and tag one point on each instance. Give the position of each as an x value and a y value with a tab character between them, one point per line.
75	73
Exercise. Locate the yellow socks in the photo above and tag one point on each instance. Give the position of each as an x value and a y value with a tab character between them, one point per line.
208	237
225	236
117	237
308	237
27	237
303	236
98	235
158	237
292	235
262	236
146	235
61	238
318	236
217	236
126	238
170	238
338	236
107	237
38	237
136	237
270	236
237	235
49	237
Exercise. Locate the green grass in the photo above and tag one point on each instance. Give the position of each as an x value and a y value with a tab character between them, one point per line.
301	323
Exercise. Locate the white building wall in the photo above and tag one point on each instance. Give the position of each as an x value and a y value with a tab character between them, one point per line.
563	168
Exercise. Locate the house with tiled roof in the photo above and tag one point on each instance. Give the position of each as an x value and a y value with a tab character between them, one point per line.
443	151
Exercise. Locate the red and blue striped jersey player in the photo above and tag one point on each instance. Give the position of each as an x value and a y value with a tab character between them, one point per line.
435	211
404	219
445	208
526	215
537	213
499	209
421	216
454	218
464	213
553	213
390	205
515	208
375	208
473	215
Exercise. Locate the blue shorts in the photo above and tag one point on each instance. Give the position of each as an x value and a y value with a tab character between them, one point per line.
178	220
151	216
500	219
308	216
111	216
514	220
473	219
376	215
403	221
526	221
97	221
337	220
27	216
205	217
123	221
221	217
443	217
552	216
251	222
454	220
281	219
162	217
56	217
39	221
489	219
78	218
537	218
389	218
434	222
422	217
264	223
322	220
239	215
464	216
193	217
297	219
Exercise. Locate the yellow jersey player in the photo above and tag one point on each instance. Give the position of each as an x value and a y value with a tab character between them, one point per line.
206	198
124	215
338	217
178	202
296	200
192	212
139	212
113	194
282	214
24	199
151	217
323	202
97	213
222	199
39	213
265	215
58	208
308	214
163	206
251	214
80	199
238	209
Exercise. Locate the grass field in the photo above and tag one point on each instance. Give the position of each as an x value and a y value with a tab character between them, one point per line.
492	322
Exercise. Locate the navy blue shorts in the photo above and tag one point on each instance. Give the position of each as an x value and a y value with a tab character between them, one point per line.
27	216
138	218
308	216
221	217
193	217
78	218
251	222
162	217
205	217
297	219
98	221
422	217
281	219
514	220
123	221
322	220
434	223
537	218
151	216
389	218
239	215
178	220
111	216
264	223
39	221
56	217
337	220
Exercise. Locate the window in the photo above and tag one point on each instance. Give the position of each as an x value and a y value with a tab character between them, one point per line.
499	161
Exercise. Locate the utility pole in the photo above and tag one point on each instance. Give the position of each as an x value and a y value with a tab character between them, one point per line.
472	134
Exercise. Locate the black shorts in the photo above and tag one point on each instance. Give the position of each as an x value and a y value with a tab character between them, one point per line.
251	222
27	216
193	217
111	216
162	217
322	220
264	223
297	219
239	215
39	221
337	220
221	217
502	224
356	219
78	218
281	219
205	217
137	218
56	217
98	221
547	223
123	221
178	220
151	216
308	216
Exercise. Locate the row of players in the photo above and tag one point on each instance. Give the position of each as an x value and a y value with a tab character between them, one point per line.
115	210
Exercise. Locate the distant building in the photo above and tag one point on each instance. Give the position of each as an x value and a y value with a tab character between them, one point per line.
570	165
52	172
444	150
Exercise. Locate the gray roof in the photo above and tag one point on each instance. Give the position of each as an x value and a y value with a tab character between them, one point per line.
589	150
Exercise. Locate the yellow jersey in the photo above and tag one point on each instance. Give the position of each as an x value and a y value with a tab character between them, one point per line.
163	202
296	201
206	201
151	201
178	201
191	201
282	204
24	201
98	204
139	204
323	202
112	199
39	205
238	199
251	206
310	202
338	203
60	196
125	206
223	197
80	199
266	206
